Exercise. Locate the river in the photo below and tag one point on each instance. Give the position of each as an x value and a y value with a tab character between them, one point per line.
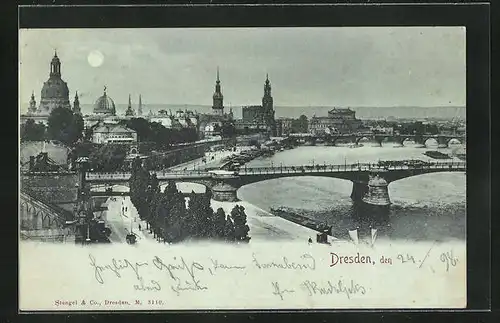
424	207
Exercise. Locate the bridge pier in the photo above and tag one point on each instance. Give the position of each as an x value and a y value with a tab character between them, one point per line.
224	192
398	141
442	142
378	192
359	189
378	141
420	142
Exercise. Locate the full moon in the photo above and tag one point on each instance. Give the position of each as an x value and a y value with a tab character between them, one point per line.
95	58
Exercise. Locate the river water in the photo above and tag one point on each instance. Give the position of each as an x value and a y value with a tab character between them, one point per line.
424	207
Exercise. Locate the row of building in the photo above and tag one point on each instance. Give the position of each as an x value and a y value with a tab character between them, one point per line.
55	93
255	118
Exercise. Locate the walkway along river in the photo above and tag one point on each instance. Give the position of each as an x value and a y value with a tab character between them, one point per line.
425	207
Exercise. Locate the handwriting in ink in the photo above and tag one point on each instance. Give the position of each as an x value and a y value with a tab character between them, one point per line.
340	287
309	264
280	292
406	258
427	254
192	286
116	266
448	259
154	286
217	265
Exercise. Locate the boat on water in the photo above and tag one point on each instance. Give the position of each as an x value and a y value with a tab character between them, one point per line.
436	154
293	216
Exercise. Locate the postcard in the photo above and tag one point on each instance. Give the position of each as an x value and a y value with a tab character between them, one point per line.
242	168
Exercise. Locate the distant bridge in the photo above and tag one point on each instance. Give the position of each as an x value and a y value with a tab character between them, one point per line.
225	184
442	139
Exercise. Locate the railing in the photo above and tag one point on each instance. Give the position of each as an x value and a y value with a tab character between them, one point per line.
346	168
361	134
288	169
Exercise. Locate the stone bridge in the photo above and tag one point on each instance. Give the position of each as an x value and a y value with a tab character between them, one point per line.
421	140
224	184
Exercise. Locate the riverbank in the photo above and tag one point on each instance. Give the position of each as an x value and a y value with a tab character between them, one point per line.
212	158
265	226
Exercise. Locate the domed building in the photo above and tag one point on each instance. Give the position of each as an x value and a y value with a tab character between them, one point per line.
104	106
55	92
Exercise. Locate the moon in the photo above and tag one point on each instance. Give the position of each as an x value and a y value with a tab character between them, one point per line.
95	58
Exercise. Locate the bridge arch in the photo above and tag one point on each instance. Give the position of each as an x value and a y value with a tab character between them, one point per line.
454	141
405	139
186	187
364	138
431	141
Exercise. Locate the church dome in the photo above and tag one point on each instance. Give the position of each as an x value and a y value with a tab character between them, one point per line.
55	92
104	105
55	88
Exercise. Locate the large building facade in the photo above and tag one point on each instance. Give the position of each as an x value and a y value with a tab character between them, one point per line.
339	120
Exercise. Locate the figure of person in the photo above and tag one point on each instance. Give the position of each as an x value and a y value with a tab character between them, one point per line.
140	227
310	240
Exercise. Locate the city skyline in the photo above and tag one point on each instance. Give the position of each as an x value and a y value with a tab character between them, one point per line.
402	66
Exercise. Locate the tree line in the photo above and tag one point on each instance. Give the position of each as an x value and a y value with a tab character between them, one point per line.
62	125
162	137
170	219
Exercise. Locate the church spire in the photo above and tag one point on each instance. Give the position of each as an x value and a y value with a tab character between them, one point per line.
32	108
267	86
218	98
76	104
129	111
139	109
55	66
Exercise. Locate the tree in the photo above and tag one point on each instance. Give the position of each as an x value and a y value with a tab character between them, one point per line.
64	126
229	230
300	125
228	130
219	223
205	214
138	183
241	228
191	227
108	158
30	131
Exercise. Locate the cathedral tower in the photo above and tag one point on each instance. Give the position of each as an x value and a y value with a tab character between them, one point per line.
129	111
218	98
76	105
32	108
267	107
139	109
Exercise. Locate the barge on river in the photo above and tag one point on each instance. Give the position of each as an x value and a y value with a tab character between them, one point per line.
291	215
436	154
